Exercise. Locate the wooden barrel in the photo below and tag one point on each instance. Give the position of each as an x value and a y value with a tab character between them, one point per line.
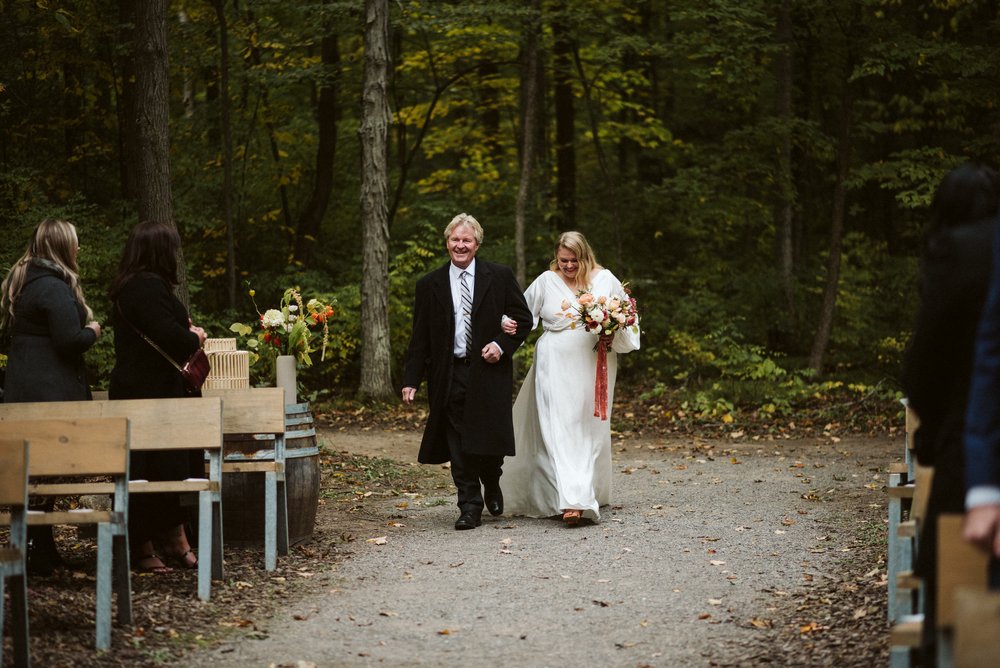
243	493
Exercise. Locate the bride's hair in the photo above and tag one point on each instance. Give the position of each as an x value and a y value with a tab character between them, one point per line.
577	244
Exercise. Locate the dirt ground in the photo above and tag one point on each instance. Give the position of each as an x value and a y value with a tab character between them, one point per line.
714	553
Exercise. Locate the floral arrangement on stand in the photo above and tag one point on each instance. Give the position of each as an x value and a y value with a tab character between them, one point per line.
602	316
290	329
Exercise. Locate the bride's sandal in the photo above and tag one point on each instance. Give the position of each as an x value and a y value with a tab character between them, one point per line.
187	559
150	563
572	517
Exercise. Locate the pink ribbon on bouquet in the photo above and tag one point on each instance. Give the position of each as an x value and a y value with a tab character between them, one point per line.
601	381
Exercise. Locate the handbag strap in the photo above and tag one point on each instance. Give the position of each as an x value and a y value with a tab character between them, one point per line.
147	339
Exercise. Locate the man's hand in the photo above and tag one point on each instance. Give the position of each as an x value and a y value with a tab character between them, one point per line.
492	352
408	394
508	325
982	527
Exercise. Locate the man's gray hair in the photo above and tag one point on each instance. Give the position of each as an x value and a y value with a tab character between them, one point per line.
469	221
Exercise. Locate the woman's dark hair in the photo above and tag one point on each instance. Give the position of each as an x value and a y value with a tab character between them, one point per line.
968	193
151	248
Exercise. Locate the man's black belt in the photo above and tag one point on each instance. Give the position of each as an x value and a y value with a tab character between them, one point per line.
462	360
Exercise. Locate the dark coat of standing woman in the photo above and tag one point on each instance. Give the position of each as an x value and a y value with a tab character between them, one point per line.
955	273
143	303
51	326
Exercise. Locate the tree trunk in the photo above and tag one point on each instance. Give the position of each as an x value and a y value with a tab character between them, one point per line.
839	211
786	188
125	63
326	116
530	77
375	355
562	65
152	119
227	149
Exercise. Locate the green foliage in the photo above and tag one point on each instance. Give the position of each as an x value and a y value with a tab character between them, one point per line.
685	164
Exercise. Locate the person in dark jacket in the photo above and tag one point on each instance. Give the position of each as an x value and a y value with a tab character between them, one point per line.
955	274
458	347
143	303
50	327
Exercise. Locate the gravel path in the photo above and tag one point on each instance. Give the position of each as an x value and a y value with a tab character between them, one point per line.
706	543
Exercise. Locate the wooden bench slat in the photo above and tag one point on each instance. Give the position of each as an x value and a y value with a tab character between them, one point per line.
908	632
252	467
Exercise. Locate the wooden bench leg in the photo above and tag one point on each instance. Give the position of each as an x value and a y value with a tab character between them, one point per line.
282	514
270	520
103	613
206	522
895	548
123	578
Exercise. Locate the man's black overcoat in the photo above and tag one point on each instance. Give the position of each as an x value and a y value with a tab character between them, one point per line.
488	426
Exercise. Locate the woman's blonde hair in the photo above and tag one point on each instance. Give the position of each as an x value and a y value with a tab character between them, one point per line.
577	244
54	243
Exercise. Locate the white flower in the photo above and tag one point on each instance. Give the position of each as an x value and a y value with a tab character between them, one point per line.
272	318
293	307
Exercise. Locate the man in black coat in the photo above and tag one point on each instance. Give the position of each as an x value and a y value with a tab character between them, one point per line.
458	346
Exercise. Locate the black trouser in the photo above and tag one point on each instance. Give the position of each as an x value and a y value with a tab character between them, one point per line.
469	471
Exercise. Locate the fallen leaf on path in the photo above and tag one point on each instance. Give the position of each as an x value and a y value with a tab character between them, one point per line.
381	540
717	562
811	627
761	623
444	632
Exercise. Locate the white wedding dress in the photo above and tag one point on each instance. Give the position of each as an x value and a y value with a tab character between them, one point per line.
563	452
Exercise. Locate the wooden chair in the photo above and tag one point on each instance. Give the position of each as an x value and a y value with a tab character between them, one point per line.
13	557
961	566
75	451
163	424
258	414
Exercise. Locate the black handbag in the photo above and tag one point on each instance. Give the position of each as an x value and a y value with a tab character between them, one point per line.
195	369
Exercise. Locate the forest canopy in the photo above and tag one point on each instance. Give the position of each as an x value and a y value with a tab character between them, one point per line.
760	171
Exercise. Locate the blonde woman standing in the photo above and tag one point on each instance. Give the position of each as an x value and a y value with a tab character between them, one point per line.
43	310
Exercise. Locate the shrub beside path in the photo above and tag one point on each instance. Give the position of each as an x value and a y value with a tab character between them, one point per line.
715	553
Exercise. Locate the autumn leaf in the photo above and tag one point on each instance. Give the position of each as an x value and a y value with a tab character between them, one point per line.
756	622
381	540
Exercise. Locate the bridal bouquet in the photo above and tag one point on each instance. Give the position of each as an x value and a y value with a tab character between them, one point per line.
291	328
602	315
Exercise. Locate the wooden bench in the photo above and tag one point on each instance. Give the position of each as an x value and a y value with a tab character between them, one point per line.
73	451
259	413
961	567
163	424
13	556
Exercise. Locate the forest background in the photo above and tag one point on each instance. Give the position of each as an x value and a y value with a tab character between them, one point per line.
760	171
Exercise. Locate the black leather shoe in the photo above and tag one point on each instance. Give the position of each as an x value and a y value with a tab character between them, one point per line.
494	501
468	520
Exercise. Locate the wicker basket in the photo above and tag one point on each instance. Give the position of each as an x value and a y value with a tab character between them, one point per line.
230	367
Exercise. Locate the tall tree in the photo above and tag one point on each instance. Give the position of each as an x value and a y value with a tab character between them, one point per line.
152	119
376	378
327	113
786	206
562	76
529	114
227	149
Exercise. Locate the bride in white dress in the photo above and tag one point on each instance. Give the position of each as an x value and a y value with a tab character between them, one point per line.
563	452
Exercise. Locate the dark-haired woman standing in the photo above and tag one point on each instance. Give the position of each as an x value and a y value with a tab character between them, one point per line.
954	276
144	304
